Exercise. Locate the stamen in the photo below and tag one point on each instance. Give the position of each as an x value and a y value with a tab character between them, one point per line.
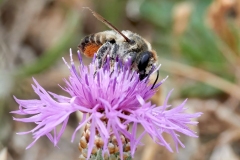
71	58
161	82
79	57
66	63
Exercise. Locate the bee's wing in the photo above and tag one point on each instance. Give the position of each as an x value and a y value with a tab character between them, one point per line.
106	22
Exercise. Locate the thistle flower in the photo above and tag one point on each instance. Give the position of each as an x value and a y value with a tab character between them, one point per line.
111	99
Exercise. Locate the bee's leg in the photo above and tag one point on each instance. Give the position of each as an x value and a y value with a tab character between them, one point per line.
113	53
113	56
102	53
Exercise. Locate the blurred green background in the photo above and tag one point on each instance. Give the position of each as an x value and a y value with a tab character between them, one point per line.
198	45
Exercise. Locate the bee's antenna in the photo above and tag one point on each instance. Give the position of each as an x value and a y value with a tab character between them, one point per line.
106	22
155	79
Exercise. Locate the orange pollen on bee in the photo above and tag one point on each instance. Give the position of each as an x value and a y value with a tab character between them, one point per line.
91	49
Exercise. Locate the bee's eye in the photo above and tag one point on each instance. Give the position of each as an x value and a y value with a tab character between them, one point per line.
145	56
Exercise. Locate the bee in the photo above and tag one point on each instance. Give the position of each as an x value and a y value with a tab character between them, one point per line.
126	45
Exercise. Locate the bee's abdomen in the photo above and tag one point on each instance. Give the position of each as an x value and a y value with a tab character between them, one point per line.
92	38
90	44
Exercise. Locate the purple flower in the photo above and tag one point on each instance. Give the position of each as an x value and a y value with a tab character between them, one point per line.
111	99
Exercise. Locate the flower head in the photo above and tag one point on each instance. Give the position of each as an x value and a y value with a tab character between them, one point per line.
111	98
